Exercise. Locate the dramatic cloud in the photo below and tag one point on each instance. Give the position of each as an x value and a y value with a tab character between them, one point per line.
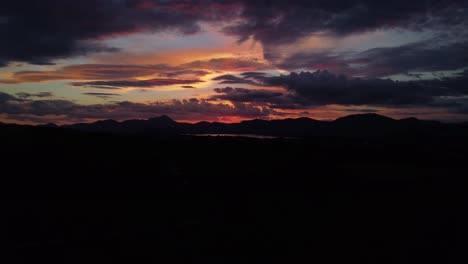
102	95
62	28
253	74
422	57
7	98
134	83
192	109
104	72
24	95
232	79
196	73
89	72
270	99
275	23
229	64
324	88
37	31
292	20
318	61
356	38
381	62
245	95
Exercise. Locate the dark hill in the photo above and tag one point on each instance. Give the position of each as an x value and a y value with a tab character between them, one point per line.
365	119
365	125
157	126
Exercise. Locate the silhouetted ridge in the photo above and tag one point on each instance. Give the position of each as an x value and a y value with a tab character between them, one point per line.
106	123
361	125
164	119
98	126
207	127
365	119
256	126
53	125
410	120
364	125
162	125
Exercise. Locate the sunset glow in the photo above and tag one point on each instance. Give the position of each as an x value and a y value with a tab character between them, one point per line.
155	52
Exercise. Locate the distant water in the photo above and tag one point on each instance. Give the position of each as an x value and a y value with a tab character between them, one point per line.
235	135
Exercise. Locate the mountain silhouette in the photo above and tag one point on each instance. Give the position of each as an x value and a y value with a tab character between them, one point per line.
361	125
365	119
157	126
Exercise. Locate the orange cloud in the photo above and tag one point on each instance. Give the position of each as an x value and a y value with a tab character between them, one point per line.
107	72
229	64
135	83
225	47
89	72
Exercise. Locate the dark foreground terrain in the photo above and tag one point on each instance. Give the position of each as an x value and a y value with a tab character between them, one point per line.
83	197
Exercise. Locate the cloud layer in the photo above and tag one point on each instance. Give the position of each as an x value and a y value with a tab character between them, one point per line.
134	83
321	88
124	72
65	28
289	33
426	56
68	111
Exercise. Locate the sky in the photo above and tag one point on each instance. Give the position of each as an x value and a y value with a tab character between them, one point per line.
68	61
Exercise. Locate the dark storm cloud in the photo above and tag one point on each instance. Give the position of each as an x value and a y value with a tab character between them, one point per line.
245	95
197	73
134	83
253	74
102	95
424	56
24	95
191	109
88	72
4	98
228	64
38	31
104	72
314	89
421	56
280	22
320	61
267	20
324	88
232	79
41	30
272	99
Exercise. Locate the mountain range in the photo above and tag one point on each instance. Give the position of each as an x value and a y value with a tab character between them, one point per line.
352	125
361	125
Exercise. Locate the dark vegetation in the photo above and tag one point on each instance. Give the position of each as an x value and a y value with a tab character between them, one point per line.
376	190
